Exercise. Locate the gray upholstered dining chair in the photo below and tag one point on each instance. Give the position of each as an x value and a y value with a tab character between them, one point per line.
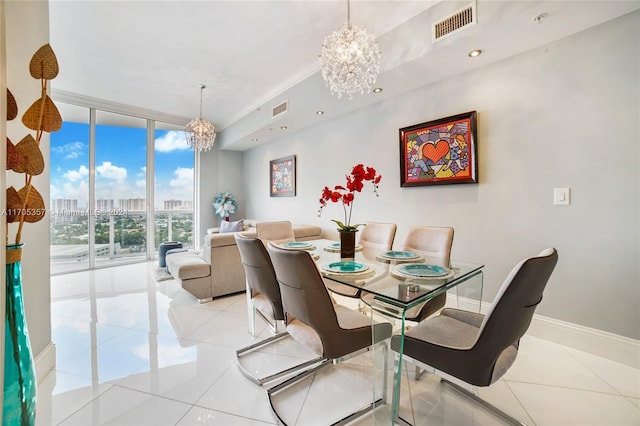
375	238
264	300
263	292
378	236
278	232
434	244
330	330
479	349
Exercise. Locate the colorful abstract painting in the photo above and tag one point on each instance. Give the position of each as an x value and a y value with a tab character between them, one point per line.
441	151
283	177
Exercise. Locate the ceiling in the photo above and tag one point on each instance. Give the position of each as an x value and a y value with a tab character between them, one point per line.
251	55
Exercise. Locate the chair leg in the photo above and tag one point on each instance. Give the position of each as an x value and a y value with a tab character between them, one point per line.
419	372
324	363
252	320
251	310
273	325
421	369
262	380
484	403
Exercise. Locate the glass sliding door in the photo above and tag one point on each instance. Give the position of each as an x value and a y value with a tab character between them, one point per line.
173	195
69	206
120	189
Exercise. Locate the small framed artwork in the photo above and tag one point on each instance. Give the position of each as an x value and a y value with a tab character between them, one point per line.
282	177
439	152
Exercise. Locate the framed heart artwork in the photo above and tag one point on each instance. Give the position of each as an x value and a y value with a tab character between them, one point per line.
439	152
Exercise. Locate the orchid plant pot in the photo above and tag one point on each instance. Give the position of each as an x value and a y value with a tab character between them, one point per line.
347	244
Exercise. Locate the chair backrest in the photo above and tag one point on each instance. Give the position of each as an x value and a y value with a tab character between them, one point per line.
278	232
433	242
305	296
261	277
377	235
512	309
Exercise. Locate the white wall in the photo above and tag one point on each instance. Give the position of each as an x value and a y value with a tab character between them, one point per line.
27	28
563	115
220	171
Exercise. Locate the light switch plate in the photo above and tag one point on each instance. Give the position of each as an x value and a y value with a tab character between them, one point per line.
561	196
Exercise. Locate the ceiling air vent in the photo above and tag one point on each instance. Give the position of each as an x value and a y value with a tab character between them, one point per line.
454	23
280	109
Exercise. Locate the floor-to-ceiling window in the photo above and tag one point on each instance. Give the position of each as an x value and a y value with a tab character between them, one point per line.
173	160
69	207
120	186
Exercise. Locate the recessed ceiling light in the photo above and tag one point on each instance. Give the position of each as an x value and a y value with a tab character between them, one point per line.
319	112
539	18
475	53
377	90
283	127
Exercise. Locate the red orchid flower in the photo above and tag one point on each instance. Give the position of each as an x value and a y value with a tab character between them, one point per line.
346	194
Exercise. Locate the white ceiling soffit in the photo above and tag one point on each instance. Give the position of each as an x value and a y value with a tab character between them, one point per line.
252	55
410	59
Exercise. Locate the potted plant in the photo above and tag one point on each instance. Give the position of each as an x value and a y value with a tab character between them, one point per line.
225	205
346	195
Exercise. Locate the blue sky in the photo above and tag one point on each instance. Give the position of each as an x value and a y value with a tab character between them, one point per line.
120	164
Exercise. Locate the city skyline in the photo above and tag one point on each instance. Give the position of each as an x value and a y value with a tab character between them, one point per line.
131	204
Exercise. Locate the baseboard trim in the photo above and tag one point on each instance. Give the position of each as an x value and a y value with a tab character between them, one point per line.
45	361
597	342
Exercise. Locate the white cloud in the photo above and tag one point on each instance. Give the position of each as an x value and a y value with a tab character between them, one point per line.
171	141
76	175
180	187
72	150
109	171
141	183
183	179
78	191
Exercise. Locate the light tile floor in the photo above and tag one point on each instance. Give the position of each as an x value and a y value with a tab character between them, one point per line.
131	351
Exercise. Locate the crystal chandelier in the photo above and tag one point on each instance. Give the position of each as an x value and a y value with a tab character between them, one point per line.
350	59
199	132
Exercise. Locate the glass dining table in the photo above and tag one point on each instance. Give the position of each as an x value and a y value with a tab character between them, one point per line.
392	283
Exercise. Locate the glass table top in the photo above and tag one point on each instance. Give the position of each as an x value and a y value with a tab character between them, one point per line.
384	278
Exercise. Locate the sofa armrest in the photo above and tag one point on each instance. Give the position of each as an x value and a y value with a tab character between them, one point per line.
307	232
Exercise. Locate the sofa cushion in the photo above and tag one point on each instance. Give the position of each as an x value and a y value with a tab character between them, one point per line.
248	225
231	226
187	265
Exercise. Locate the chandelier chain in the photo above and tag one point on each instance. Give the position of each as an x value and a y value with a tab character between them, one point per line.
202	87
350	59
